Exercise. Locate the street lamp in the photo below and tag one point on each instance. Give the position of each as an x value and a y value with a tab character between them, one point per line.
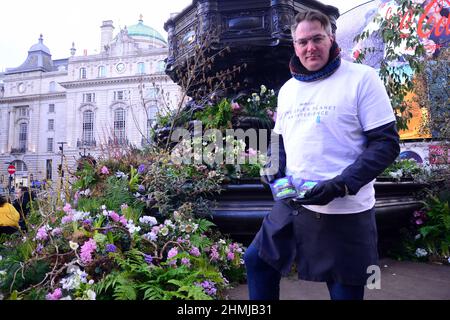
61	170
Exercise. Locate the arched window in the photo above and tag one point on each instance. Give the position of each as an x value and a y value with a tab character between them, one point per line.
52	86
23	134
151	116
82	73
20	166
161	66
141	67
119	126
88	128
101	71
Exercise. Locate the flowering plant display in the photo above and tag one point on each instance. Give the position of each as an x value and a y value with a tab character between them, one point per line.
140	233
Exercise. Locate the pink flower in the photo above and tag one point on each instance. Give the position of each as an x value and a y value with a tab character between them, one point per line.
356	54
230	255
113	215
104	170
56	295
235	106
67	208
252	152
86	251
419	222
42	233
172	253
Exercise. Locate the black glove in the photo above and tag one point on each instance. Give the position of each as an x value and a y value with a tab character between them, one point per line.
323	193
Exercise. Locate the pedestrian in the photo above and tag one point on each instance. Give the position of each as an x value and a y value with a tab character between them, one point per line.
22	205
9	217
336	126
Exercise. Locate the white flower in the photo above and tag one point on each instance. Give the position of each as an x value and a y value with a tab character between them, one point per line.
1	258
2	296
396	174
148	220
91	282
421	252
132	228
263	89
448	259
417	237
91	294
151	236
73	245
66	298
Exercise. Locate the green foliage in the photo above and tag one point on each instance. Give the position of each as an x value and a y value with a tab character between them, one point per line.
86	177
436	229
396	35
130	235
217	116
260	105
403	168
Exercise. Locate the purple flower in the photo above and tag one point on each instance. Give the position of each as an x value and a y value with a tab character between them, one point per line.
56	295
111	248
208	287
214	255
104	170
148	258
186	261
195	252
141	169
141	188
87	222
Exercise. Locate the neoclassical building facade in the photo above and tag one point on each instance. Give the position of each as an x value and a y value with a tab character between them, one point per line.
83	104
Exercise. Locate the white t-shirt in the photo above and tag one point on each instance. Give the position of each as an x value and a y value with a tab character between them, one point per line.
322	124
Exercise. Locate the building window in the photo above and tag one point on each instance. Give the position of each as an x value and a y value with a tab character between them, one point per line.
82	73
49	144
120	95
24	112
151	117
23	132
88	127
49	168
119	125
101	71
161	66
52	86
20	166
88	97
150	93
141	67
51	108
51	124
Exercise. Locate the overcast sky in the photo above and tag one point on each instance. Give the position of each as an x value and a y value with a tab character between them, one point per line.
63	22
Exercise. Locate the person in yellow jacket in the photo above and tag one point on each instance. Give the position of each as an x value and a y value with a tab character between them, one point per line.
9	217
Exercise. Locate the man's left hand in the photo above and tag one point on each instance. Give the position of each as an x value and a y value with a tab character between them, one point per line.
323	192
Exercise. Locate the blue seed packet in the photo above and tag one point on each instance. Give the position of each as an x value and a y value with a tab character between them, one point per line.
283	188
303	185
